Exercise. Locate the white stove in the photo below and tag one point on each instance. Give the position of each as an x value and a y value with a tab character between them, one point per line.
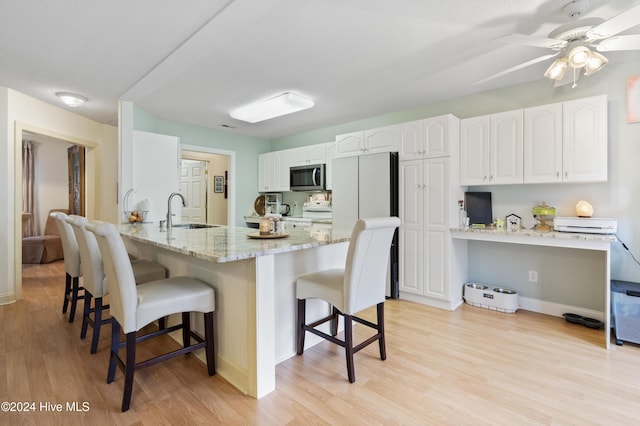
317	210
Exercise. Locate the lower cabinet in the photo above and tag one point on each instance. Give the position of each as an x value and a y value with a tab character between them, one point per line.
427	203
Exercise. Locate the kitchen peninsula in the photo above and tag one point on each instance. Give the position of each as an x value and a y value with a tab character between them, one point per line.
254	281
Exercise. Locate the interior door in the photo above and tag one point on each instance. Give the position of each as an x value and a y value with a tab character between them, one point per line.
193	185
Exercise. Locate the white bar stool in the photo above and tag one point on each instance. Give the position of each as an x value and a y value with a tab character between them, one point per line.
72	266
133	307
360	285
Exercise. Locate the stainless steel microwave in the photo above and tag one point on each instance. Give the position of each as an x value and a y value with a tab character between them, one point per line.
307	178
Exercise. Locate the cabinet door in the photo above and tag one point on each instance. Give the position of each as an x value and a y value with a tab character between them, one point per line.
436	264
474	151
584	140
506	148
543	144
312	154
411	143
411	232
284	159
383	139
264	172
436	136
349	144
436	205
436	199
331	155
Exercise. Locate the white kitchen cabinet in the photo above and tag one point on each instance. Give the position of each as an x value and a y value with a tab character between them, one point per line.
424	240
543	144
428	138
273	171
330	148
566	142
584	140
491	149
349	144
311	154
382	139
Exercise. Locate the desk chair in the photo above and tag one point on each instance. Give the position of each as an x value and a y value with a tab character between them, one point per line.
133	307
72	266
94	281
359	285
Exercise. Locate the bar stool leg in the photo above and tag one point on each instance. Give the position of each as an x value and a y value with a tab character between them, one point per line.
97	323
67	293
129	369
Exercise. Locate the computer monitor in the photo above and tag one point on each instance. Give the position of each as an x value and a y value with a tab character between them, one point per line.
478	206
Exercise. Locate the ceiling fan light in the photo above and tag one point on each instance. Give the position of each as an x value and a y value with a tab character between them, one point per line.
277	106
579	56
557	69
595	64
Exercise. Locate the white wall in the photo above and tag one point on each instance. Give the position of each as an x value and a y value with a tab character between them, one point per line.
20	112
52	178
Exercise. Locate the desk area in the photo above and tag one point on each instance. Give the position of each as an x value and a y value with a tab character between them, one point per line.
597	242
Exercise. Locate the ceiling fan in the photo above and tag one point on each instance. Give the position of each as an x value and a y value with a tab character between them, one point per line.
578	43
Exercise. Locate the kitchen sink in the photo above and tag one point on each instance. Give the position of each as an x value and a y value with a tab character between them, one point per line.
194	225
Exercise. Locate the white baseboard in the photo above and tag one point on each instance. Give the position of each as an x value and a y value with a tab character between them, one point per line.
557	309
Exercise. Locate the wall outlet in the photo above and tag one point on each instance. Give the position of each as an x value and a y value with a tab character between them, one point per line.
533	276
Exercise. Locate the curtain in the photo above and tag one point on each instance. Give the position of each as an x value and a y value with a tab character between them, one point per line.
28	187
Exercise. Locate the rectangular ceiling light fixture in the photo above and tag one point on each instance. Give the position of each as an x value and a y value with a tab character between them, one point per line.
283	104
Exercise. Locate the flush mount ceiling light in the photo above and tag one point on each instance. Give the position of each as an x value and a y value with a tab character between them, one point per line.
71	99
277	106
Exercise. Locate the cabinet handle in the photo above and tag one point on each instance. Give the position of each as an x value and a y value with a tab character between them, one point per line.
557	174
566	174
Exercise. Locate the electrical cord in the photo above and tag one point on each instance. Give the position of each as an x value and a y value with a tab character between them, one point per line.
627	249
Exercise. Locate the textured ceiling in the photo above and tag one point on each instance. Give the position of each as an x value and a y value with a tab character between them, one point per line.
194	61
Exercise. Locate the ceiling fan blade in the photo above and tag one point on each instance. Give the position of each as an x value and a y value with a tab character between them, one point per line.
528	40
623	42
517	67
615	25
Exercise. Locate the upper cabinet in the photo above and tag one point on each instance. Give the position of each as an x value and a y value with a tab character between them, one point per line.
273	171
382	139
584	140
561	142
491	149
566	142
312	154
543	144
428	138
331	154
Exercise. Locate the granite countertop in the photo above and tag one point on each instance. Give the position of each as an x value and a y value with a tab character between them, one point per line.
537	234
227	244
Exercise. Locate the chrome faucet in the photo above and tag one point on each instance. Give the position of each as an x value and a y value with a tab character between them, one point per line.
169	214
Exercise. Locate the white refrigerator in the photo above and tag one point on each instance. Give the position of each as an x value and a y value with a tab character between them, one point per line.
367	186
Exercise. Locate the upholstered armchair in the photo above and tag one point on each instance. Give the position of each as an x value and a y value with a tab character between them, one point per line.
44	248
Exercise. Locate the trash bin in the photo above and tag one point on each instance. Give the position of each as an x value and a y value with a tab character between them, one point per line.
625	311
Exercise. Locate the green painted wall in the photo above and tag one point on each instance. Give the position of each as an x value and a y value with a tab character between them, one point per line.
246	148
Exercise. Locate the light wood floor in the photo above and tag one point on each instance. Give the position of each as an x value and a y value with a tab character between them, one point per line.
471	366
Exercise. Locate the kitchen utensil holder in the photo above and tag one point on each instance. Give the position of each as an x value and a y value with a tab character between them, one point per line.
495	298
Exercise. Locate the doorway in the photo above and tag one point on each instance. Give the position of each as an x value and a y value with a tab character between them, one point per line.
208	189
54	190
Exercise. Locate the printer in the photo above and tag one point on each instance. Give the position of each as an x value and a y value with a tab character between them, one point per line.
585	225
